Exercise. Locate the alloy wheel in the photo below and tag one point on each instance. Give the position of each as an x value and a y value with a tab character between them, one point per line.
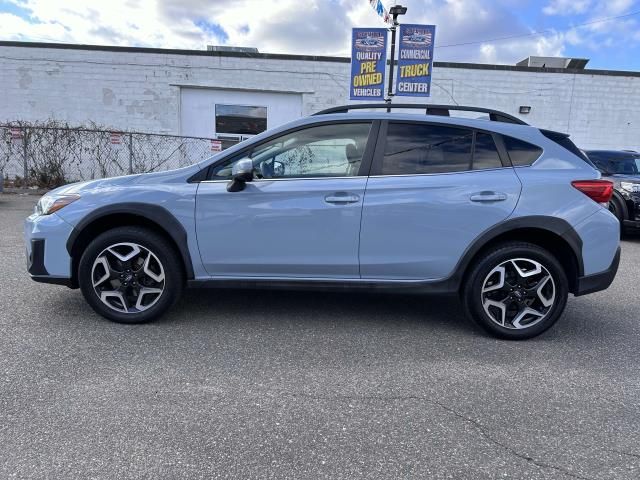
519	293
128	277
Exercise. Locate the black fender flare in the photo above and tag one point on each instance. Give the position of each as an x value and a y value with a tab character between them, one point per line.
160	216
554	225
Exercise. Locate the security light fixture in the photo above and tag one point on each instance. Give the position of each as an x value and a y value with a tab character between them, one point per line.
525	109
397	10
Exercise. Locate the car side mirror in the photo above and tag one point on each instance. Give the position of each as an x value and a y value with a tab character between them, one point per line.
242	172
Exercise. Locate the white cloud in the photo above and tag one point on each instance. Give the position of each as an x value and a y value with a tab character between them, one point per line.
519	49
566	7
488	53
615	7
603	31
573	37
495	21
607	9
118	22
320	27
13	27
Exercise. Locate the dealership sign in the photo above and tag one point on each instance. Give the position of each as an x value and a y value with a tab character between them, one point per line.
415	60
368	63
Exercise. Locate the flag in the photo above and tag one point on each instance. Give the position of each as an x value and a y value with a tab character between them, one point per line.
381	10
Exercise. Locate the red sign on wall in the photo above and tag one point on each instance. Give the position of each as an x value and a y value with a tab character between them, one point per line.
216	145
115	138
16	133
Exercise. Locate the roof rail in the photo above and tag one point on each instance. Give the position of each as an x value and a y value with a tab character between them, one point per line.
494	115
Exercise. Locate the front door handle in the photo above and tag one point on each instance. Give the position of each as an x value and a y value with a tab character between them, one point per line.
488	197
341	198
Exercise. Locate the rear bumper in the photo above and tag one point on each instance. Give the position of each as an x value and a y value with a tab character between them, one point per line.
599	281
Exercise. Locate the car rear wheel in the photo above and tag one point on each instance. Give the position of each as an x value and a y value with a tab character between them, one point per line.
516	292
130	275
615	207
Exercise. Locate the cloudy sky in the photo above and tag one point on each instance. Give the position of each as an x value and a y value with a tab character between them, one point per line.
579	28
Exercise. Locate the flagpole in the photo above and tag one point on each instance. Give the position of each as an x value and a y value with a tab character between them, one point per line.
391	62
394	11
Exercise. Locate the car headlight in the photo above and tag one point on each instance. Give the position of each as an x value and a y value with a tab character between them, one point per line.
630	187
49	204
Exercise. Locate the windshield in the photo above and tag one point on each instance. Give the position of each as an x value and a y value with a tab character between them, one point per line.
628	165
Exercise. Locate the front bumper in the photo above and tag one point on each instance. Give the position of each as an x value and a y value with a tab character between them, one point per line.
631	225
599	281
632	201
45	238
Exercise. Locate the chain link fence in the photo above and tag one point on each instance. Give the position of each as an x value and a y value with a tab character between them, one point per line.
51	154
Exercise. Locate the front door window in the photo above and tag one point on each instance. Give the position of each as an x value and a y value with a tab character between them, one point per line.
320	151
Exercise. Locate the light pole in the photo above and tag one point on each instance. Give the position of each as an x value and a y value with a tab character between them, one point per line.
395	11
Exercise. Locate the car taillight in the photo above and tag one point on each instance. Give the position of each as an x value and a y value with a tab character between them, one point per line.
597	190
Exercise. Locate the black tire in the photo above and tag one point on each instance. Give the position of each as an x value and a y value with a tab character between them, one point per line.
617	208
473	297
165	255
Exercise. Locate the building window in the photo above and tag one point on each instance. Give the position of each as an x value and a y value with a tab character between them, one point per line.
240	119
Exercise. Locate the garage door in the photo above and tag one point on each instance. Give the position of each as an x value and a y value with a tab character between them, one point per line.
235	114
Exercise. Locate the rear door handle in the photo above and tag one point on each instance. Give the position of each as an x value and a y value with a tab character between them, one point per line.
341	198
488	197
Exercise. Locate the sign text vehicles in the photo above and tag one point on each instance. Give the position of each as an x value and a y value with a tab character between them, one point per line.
368	63
415	60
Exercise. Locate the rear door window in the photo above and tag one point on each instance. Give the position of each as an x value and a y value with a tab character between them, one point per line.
413	149
485	154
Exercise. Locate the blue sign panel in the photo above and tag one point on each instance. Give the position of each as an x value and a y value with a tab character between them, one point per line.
368	63
415	60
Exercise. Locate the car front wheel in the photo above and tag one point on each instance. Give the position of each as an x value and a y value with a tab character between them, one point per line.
130	275
516	292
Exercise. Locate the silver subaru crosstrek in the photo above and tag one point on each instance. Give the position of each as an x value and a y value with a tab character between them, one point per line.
510	217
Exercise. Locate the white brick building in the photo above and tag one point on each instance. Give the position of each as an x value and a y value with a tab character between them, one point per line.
177	91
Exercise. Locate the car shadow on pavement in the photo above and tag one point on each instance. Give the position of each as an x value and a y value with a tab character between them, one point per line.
631	237
211	311
317	307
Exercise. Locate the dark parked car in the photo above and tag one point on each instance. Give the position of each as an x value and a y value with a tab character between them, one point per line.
623	169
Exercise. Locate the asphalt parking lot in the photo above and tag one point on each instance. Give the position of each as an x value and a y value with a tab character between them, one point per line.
253	384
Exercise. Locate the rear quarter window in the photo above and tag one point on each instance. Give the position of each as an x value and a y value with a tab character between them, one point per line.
565	142
521	153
